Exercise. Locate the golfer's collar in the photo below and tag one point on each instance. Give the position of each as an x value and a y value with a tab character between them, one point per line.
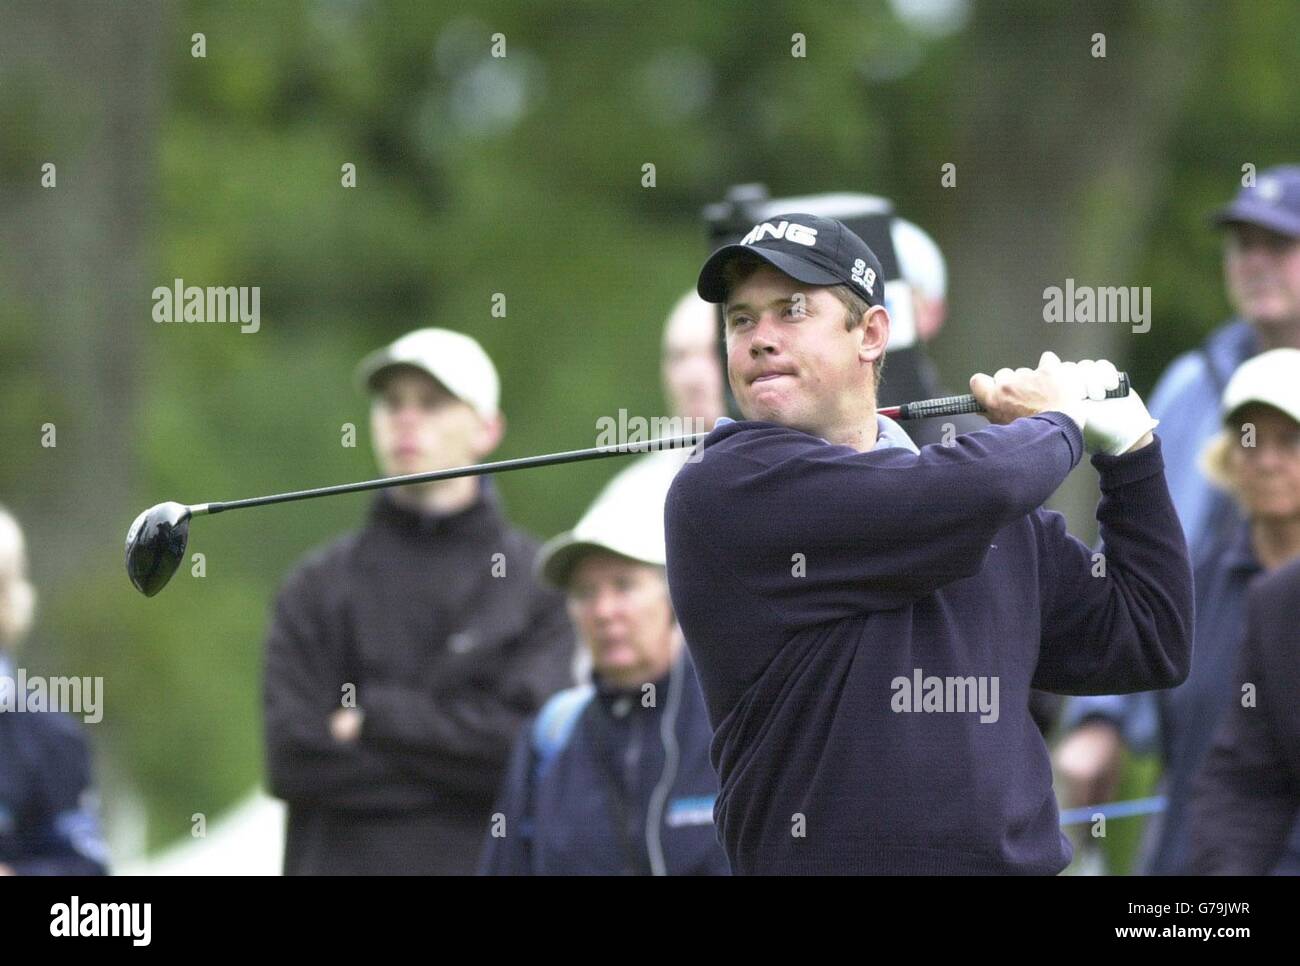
890	434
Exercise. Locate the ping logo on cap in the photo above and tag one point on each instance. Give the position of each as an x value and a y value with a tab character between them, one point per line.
789	230
864	276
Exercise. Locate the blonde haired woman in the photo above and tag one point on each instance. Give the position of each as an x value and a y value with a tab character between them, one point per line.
1256	460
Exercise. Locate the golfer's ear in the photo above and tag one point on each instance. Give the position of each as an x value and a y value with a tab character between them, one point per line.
875	334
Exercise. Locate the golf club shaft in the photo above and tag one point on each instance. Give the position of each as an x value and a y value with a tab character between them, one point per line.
923	409
480	469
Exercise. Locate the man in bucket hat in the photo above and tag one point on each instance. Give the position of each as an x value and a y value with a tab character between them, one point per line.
613	778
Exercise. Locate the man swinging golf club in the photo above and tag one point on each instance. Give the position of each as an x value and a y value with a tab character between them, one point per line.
867	620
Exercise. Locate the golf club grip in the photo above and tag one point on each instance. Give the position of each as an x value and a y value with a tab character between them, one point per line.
958	405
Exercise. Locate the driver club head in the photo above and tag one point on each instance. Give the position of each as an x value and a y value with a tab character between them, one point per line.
155	546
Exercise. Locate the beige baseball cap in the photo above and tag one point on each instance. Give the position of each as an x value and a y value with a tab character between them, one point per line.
627	518
1272	379
452	358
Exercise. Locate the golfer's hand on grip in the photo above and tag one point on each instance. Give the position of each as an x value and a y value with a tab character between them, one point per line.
1054	386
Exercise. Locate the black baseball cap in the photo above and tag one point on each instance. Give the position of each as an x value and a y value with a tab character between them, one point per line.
810	249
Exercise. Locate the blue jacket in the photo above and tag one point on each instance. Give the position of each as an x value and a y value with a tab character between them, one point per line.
832	599
1247	798
1186	400
48	821
1189	715
602	784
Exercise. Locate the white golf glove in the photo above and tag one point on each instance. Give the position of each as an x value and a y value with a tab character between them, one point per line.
1113	425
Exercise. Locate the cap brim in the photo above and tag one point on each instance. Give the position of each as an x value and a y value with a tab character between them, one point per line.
559	555
1230	417
712	285
1244	213
373	367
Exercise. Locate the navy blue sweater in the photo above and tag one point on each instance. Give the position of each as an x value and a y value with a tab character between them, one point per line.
835	600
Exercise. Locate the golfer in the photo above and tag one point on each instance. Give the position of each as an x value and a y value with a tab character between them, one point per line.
867	620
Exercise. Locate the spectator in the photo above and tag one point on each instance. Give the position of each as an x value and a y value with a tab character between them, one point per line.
614	776
48	820
690	367
1261	407
1247	797
1240	816
402	659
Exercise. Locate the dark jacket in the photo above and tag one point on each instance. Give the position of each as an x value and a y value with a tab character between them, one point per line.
438	625
832	599
1190	714
49	824
605	783
1247	798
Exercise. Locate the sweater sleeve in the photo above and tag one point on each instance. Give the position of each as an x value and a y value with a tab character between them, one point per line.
1245	800
865	530
303	679
1122	621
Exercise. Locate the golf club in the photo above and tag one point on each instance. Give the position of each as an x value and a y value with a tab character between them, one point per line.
155	543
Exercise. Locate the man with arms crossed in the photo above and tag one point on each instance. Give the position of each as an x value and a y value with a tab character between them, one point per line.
867	621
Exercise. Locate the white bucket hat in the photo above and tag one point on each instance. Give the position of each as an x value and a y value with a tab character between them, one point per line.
627	518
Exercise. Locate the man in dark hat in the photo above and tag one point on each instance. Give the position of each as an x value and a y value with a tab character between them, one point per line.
867	620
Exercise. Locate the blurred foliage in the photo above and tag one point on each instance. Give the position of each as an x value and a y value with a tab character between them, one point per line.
1139	778
520	175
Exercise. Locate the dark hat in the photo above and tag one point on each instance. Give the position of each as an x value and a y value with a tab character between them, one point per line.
810	249
1272	202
